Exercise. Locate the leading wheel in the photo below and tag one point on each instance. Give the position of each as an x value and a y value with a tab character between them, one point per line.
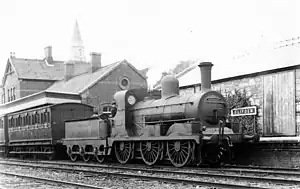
150	151
179	152
123	151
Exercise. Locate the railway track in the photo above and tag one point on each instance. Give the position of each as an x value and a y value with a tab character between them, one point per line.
50	181
201	177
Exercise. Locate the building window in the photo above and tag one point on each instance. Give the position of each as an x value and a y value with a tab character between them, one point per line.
13	93
3	98
8	95
124	83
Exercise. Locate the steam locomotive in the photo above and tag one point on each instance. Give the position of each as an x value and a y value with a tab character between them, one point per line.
181	129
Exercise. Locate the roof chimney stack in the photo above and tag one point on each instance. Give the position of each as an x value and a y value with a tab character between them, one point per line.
12	55
205	69
69	69
48	54
95	61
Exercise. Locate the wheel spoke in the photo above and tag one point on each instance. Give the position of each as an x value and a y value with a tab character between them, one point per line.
150	154
179	152
122	154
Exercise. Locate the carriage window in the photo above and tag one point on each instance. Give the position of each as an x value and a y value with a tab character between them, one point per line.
37	118
13	122
19	121
32	119
42	117
10	122
27	120
1	124
47	117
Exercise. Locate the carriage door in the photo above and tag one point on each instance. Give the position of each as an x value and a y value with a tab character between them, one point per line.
279	104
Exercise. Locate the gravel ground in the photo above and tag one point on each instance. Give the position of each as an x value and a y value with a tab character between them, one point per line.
103	181
190	177
12	182
117	182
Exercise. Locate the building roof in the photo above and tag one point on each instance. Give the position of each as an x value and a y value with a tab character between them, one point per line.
82	82
37	69
144	71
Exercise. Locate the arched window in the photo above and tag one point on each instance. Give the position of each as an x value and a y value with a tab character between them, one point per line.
32	119
37	117
19	121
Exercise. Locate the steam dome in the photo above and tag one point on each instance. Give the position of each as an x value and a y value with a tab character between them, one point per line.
170	86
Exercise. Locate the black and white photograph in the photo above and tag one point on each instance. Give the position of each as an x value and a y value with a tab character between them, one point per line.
149	94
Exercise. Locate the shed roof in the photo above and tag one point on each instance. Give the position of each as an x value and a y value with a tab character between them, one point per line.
263	61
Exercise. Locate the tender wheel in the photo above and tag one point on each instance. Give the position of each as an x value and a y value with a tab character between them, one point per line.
49	153
179	152
150	151
123	151
32	154
83	153
86	157
20	154
99	158
73	157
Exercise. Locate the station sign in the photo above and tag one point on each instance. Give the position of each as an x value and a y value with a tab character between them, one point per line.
250	110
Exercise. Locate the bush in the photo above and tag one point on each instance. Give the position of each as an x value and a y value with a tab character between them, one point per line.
239	99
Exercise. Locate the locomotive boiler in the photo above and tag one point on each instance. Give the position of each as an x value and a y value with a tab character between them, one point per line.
182	129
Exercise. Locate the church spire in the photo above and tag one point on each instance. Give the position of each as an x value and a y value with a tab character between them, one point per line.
77	48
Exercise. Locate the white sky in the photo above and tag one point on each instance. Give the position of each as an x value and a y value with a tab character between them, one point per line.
146	33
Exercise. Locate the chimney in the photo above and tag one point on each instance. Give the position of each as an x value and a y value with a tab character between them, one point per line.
95	61
12	55
48	54
205	69
69	70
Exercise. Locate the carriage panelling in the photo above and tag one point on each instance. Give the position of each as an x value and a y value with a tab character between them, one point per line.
44	123
27	125
3	130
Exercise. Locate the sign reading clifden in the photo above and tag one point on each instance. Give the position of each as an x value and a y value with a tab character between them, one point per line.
251	110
